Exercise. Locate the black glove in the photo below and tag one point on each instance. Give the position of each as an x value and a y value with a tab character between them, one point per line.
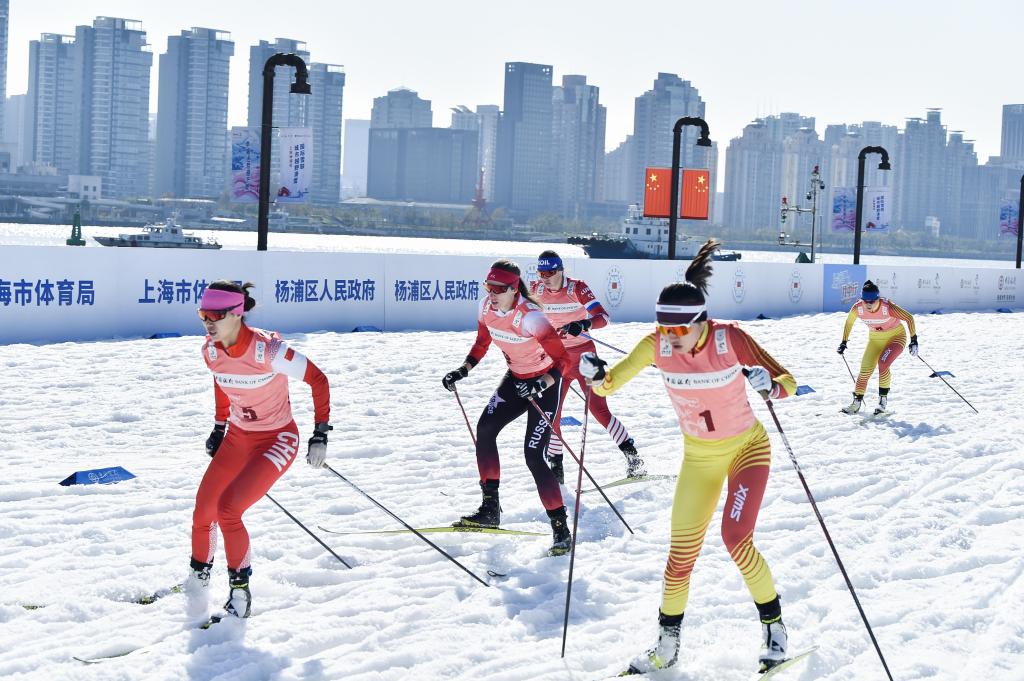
531	388
452	377
913	346
216	437
577	327
842	348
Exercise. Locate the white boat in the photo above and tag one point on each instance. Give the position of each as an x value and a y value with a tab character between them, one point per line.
167	235
643	237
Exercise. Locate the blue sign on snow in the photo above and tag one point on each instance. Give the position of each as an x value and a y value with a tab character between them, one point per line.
570	421
101	476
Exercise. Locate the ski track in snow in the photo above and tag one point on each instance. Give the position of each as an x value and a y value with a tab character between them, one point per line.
925	508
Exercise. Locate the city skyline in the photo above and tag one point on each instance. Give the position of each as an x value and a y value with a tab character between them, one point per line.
920	57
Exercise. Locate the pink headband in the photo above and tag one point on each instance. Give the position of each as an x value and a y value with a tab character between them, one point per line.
214	299
503	277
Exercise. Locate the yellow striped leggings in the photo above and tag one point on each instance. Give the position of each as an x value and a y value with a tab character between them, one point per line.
744	459
883	348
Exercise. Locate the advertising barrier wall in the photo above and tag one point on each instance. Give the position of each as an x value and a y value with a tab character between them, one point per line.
53	294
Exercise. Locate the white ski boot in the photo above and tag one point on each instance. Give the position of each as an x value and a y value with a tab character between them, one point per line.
665	653
197	589
239	598
858	402
883	403
773	645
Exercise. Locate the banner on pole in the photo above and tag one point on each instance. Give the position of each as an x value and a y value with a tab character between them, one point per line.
1009	218
844	209
657	192
245	165
876	209
295	164
695	194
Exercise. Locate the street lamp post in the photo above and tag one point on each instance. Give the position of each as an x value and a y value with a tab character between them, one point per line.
704	141
300	87
817	186
1020	214
884	165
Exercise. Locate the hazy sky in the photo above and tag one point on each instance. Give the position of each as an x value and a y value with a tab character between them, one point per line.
883	60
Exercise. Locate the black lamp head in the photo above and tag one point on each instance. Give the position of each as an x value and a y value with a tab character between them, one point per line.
300	87
704	141
884	165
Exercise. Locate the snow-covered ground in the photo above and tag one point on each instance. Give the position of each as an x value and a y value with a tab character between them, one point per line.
925	508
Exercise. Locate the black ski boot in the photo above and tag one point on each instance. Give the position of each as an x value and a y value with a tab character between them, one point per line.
239	598
555	464
560	533
489	513
635	466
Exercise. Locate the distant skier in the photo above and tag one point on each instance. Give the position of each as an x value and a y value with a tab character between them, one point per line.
254	438
536	358
572	308
701	362
886	341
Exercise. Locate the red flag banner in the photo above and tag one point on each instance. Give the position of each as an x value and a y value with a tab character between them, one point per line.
696	194
657	193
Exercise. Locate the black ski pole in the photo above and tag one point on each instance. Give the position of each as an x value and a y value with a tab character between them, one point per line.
459	400
936	373
299	523
577	459
407	526
601	342
576	515
848	369
821	521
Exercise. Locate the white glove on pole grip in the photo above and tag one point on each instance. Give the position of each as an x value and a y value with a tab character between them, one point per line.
759	378
591	366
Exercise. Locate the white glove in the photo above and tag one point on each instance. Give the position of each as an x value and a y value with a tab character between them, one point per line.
316	455
592	366
759	378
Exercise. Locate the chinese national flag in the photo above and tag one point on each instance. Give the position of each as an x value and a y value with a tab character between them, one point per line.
696	192
657	193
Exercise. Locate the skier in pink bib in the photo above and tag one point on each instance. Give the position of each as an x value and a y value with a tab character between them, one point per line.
702	362
573	309
254	439
537	360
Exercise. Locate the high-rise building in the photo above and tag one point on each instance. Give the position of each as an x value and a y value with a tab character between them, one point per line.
112	74
773	158
464	119
5	14
52	86
618	165
577	145
437	165
191	145
523	173
356	147
920	171
401	108
490	118
327	85
1011	146
655	113
289	108
485	121
16	138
